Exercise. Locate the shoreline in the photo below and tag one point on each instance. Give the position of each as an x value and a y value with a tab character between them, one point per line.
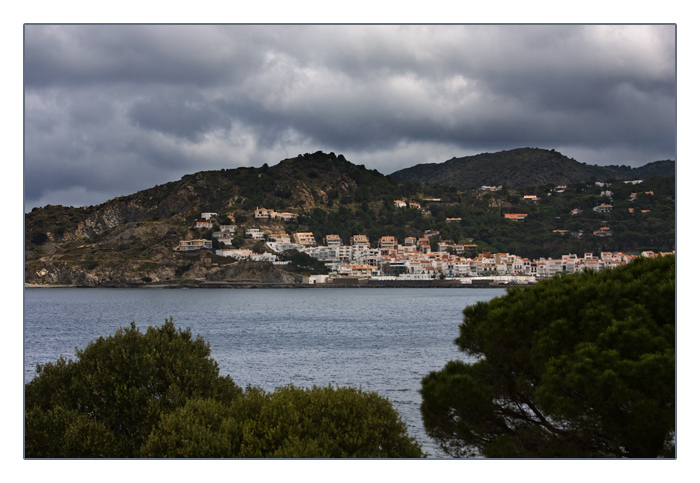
254	285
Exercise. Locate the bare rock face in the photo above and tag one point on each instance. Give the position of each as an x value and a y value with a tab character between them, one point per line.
261	272
62	275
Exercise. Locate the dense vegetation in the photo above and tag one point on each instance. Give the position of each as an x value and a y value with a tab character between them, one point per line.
579	366
159	394
522	167
480	218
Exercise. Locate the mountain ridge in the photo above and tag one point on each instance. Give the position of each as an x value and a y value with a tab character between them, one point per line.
522	167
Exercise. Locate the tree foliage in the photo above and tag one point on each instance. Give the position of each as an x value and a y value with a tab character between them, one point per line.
291	422
577	366
118	387
159	394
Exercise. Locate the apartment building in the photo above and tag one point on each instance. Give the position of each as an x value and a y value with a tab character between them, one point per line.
360	240
305	239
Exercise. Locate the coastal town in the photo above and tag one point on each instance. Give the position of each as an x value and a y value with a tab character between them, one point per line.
411	259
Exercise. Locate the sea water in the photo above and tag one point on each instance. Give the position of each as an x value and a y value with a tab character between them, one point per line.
380	339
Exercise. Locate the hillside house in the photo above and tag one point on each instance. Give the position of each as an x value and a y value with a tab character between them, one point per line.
193	245
400	203
237	254
224	237
424	245
603	208
263	213
515	216
283	216
203	225
208	216
280	237
255	233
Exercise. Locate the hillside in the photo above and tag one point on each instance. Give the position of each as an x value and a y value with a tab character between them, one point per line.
522	167
130	240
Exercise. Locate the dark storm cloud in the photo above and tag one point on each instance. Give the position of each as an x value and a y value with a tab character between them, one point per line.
113	109
178	114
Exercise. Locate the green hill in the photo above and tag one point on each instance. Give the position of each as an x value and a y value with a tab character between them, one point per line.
130	240
522	167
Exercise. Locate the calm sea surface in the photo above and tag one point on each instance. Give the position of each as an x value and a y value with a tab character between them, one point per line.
382	340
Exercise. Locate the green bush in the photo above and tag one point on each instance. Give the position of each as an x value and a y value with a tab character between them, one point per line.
119	387
291	422
159	394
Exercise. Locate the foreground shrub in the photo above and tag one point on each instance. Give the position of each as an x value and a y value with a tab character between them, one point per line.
159	394
119	386
290	422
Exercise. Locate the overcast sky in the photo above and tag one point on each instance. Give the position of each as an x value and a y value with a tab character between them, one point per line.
114	109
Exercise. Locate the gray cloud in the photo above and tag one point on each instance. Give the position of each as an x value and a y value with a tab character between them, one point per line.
112	109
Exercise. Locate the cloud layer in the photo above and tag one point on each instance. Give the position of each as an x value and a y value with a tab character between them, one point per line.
112	109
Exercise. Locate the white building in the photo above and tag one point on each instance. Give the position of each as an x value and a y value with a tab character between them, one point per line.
255	233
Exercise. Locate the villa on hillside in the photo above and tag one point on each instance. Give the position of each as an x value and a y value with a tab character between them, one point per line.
203	225
193	245
515	216
255	233
284	216
266	214
262	213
